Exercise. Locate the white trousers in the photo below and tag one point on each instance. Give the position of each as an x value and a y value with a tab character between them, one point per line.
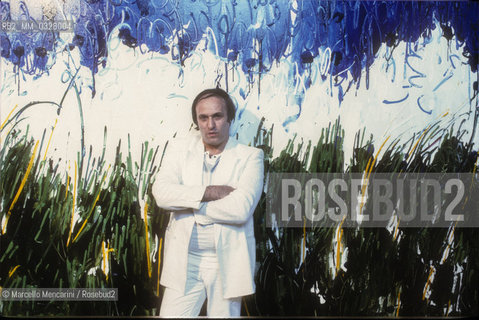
203	281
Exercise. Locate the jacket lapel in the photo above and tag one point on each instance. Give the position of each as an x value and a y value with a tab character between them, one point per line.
225	172
193	169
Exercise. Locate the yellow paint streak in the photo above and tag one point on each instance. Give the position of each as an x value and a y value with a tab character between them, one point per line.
159	263
246	307
12	271
6	119
22	184
108	259
376	157
73	205
396	229
428	282
93	207
399	304
339	247
147	241
418	140
103	257
450	236
452	232
105	250
338	253
369	163
366	172
448	306
50	139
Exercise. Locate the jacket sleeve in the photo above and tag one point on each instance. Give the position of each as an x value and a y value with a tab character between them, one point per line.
239	205
168	189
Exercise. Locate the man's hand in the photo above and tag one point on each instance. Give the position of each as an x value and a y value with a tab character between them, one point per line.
213	193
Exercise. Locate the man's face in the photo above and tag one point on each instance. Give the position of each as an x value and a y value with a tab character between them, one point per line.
211	116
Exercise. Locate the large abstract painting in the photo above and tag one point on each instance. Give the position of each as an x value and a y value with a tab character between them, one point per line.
91	91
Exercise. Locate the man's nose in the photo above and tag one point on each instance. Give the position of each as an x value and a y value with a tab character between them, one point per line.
211	123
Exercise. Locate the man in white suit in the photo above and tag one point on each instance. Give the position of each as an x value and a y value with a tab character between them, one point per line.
211	184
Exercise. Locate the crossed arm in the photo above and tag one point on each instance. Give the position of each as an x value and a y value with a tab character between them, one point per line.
213	193
219	203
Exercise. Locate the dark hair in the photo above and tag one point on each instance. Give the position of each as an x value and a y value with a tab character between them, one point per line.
217	92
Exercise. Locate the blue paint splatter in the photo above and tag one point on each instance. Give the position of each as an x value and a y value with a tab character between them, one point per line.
449	76
294	100
420	105
253	34
396	101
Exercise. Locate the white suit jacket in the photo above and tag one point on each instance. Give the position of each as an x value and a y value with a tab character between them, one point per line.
178	187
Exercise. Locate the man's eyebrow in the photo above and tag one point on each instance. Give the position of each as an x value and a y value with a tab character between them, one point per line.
220	113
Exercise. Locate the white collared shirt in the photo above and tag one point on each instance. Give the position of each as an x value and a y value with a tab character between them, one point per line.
203	236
